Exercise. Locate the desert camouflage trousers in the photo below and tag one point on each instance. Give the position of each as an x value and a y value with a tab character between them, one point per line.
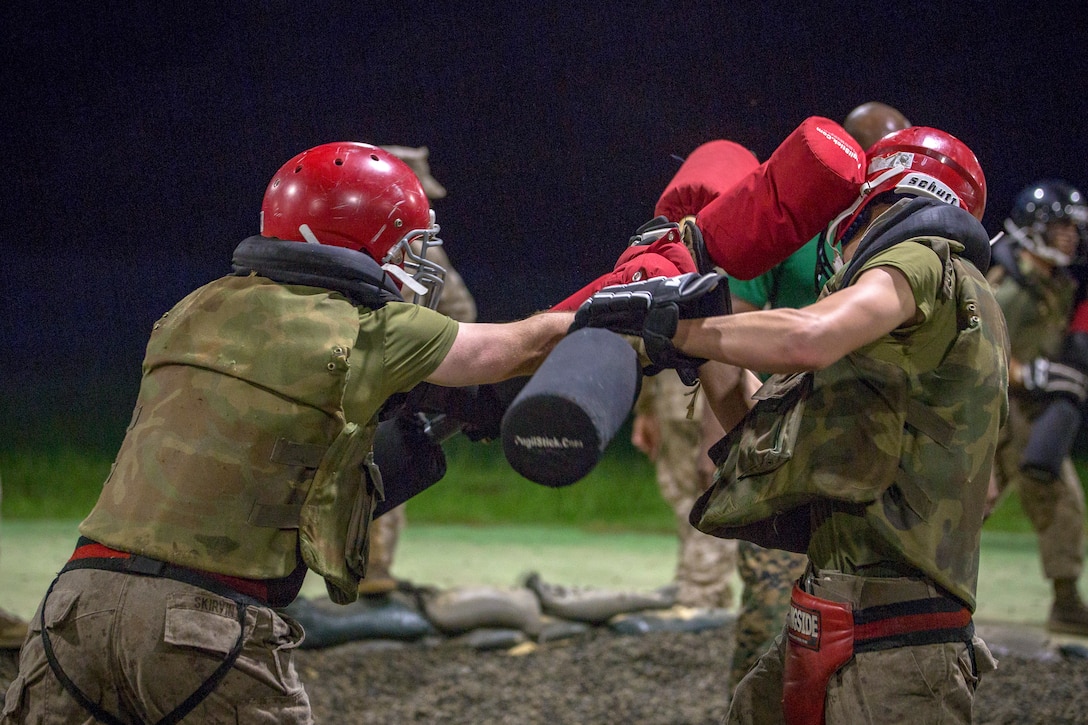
705	564
1054	508
932	683
767	576
385	533
139	646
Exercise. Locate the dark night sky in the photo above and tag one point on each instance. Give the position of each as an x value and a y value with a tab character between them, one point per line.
140	136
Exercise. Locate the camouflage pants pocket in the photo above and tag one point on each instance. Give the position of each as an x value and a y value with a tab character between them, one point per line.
269	690
905	684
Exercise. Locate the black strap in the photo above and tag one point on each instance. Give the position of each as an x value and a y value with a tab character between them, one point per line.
915	639
935	606
146	566
142	565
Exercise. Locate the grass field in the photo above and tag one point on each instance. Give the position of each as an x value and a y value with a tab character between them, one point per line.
483	524
1011	587
480	488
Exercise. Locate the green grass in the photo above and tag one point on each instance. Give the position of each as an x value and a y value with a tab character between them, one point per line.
61	483
480	488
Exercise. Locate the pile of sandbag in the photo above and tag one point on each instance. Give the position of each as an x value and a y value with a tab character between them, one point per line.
513	618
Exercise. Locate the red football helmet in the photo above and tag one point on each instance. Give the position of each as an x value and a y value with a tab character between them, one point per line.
359	196
919	161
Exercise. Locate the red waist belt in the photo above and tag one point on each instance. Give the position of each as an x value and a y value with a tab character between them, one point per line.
92	555
823	635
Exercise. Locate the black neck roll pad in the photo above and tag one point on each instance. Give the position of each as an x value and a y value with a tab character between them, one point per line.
557	427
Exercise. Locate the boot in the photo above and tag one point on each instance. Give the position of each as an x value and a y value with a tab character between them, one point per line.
1068	615
379	580
12	631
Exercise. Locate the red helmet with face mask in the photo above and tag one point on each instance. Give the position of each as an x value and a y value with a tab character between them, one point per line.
918	161
358	196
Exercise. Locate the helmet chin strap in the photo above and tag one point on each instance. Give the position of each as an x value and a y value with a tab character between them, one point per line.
863	196
391	269
404	278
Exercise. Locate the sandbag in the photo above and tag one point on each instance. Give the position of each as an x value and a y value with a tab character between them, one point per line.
677	619
591	605
361	620
460	610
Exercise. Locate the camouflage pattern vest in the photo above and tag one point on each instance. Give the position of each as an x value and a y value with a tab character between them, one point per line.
238	455
911	452
1037	309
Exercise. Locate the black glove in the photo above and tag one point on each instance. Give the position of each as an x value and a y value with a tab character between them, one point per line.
1049	377
651	310
408	451
478	408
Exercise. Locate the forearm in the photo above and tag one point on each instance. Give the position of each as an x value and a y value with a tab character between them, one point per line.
768	341
810	338
488	353
728	391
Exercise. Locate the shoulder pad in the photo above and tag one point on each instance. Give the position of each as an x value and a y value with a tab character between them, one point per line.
922	217
353	274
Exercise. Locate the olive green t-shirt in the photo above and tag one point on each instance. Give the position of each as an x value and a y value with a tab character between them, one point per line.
398	346
843	540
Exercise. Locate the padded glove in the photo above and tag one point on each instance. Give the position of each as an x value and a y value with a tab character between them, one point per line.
1048	377
651	309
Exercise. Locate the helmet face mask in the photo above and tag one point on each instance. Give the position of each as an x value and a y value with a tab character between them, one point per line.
407	263
1038	209
358	196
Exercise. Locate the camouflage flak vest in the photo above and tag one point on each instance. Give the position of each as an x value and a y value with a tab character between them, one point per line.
238	454
912	451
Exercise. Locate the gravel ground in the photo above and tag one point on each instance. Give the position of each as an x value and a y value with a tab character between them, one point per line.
600	676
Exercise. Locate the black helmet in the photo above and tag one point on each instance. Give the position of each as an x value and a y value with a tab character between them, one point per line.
1038	205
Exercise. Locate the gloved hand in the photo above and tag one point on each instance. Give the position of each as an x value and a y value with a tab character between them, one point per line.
656	250
1051	440
410	458
651	310
1048	377
477	409
661	237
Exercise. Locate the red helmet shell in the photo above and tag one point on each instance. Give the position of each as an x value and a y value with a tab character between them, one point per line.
934	163
918	161
348	194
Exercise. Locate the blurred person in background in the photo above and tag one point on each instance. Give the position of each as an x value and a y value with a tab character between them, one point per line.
1046	234
456	302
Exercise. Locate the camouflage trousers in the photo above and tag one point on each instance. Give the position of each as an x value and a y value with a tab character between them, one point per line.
705	564
922	684
139	646
385	533
1054	508
767	576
